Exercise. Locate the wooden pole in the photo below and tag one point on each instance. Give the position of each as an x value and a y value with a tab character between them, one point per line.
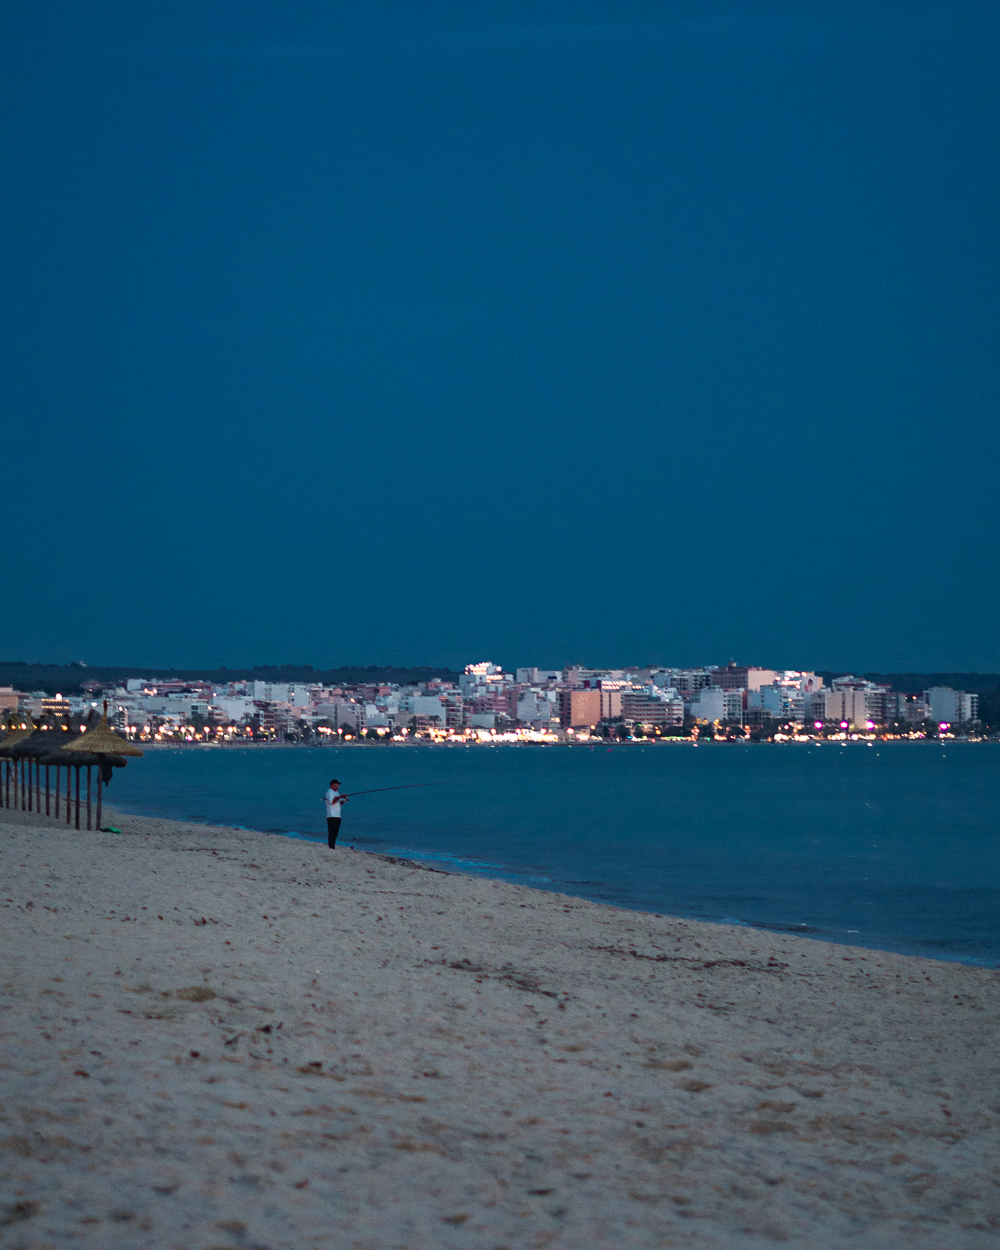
24	797
78	796
27	765
47	812
89	771
100	786
58	779
69	799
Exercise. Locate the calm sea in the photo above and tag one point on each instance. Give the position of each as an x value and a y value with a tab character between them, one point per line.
893	846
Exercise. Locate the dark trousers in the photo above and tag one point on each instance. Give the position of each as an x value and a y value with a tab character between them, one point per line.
332	829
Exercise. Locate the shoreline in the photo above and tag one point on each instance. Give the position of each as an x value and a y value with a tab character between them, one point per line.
495	872
216	1036
591	743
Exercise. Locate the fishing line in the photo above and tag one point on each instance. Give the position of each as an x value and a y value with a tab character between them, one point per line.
412	786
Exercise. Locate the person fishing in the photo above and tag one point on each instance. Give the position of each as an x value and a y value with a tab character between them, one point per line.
334	801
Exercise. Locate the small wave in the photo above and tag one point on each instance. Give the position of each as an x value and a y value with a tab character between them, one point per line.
442	857
774	927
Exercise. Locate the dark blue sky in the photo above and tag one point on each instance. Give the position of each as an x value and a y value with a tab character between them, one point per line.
546	332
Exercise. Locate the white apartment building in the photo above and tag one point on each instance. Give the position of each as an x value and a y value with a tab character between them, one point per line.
951	707
536	707
838	705
278	692
538	676
713	704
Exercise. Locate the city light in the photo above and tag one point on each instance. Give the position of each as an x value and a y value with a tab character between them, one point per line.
484	704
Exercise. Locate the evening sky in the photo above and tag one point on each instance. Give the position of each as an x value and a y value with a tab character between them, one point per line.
542	332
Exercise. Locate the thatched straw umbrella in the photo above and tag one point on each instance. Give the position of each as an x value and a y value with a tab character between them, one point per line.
32	751
109	750
18	728
74	763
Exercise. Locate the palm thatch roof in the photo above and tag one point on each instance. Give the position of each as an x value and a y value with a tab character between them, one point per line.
34	745
102	740
17	731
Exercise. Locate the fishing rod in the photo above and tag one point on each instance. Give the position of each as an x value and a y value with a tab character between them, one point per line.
382	789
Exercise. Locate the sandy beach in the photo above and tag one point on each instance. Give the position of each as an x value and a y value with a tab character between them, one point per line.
215	1038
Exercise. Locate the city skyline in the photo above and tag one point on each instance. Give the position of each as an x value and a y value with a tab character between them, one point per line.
527	704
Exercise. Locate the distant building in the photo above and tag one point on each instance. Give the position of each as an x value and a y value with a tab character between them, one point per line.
374	718
716	704
537	708
427	705
835	706
639	707
341	714
538	676
234	708
580	709
951	707
481	678
736	677
279	692
30	704
772	702
907	707
686	681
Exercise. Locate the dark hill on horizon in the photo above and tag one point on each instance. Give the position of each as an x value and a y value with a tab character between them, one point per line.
69	678
914	683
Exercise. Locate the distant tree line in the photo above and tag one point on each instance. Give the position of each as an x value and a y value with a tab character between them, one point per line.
69	678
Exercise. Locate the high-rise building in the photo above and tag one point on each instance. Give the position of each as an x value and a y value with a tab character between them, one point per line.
737	677
580	709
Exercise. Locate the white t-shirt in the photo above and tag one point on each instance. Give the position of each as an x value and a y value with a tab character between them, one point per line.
333	801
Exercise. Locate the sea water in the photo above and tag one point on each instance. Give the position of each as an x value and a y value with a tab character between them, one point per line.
891	845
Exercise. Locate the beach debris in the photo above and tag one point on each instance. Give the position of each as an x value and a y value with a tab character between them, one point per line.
508	974
195	994
18	1212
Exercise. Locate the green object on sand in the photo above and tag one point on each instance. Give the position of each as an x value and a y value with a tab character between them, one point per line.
110	829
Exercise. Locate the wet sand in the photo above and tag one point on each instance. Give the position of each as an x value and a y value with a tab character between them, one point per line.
217	1038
